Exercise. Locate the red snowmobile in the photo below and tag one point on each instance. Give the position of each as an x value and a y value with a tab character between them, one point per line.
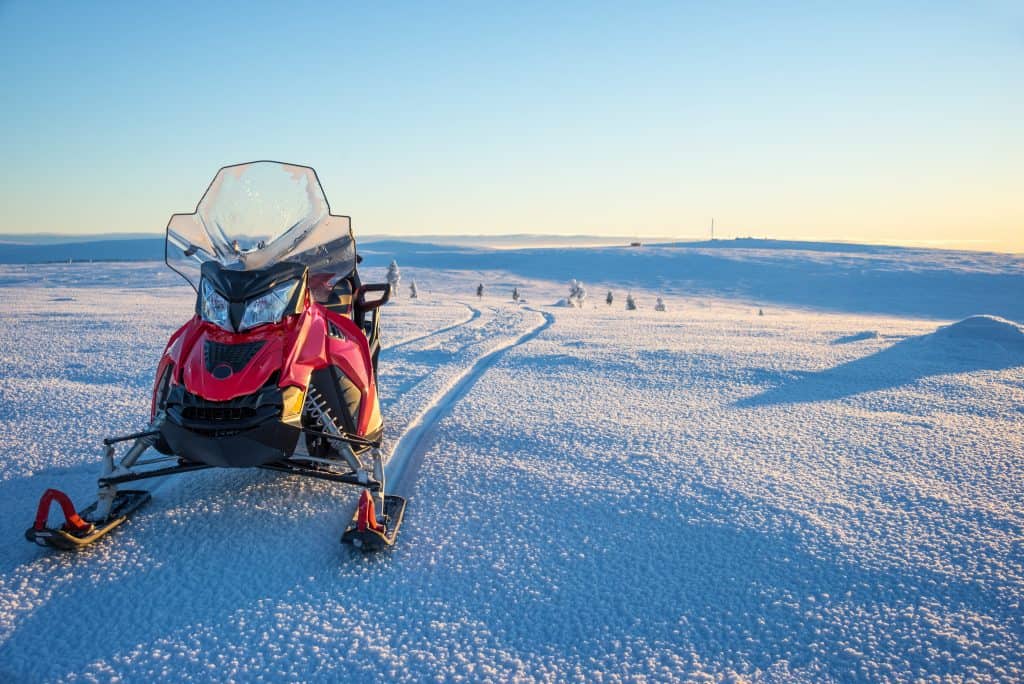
276	370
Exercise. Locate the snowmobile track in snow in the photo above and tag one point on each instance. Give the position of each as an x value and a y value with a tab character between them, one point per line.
402	467
474	314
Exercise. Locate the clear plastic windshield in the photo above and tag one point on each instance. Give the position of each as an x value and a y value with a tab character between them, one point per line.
259	214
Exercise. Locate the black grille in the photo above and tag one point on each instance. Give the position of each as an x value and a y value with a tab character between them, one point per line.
213	413
241	413
237	356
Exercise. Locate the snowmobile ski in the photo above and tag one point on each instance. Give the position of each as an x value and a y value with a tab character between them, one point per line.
369	532
79	529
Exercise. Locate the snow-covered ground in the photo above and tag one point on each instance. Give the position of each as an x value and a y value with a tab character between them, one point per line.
595	495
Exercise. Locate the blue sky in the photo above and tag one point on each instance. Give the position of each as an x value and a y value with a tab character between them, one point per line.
863	122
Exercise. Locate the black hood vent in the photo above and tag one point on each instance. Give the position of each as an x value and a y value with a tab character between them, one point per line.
233	356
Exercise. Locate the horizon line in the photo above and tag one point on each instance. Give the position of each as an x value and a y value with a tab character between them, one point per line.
966	245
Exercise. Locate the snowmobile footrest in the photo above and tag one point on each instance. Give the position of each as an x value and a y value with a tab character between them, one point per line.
378	536
81	529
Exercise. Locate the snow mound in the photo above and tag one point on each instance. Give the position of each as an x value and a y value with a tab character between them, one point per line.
984	328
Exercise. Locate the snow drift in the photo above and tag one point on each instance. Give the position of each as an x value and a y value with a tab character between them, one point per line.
984	328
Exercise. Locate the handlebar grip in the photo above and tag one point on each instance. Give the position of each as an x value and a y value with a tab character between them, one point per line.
373	287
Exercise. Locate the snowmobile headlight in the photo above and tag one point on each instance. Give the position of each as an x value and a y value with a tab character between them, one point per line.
213	307
268	308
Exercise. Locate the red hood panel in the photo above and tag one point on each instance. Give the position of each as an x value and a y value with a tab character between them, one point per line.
296	347
201	381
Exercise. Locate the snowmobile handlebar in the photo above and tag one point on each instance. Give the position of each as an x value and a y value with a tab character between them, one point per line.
365	305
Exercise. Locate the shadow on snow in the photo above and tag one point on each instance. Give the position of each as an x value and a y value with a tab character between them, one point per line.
904	363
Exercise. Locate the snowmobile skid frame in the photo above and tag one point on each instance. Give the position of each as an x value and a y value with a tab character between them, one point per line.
112	507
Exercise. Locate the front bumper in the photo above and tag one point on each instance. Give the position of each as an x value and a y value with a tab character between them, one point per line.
241	433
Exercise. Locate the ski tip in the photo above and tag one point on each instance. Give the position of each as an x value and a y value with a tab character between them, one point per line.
81	529
366	537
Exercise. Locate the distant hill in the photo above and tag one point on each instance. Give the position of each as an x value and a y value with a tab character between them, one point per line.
768	243
24	248
906	281
902	281
133	249
54	238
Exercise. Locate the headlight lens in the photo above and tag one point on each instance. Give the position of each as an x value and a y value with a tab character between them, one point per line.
213	307
268	308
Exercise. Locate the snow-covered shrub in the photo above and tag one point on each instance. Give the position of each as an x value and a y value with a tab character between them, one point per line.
413	292
577	293
630	302
660	305
480	290
394	276
515	294
609	299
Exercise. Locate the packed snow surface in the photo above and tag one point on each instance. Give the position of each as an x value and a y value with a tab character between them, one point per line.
595	494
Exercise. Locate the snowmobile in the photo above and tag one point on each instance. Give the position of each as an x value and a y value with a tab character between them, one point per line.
277	368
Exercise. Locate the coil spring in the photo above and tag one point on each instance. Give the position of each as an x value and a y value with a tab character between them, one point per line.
317	408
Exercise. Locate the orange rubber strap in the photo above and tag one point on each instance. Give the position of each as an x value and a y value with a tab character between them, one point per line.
73	522
366	517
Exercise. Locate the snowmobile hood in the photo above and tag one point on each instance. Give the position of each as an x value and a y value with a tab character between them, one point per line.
220	366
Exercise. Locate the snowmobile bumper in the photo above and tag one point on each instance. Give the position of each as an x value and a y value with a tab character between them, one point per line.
240	433
81	529
371	532
221	446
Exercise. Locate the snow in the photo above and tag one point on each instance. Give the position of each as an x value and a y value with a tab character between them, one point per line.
594	494
985	329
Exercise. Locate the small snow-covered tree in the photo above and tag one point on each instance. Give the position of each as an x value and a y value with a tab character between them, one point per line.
760	312
515	294
659	305
413	292
480	290
577	293
609	299
630	302
394	276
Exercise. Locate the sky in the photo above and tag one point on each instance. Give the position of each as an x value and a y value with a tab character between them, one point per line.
867	122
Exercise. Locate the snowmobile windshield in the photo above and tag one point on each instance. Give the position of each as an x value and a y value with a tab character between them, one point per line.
260	214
